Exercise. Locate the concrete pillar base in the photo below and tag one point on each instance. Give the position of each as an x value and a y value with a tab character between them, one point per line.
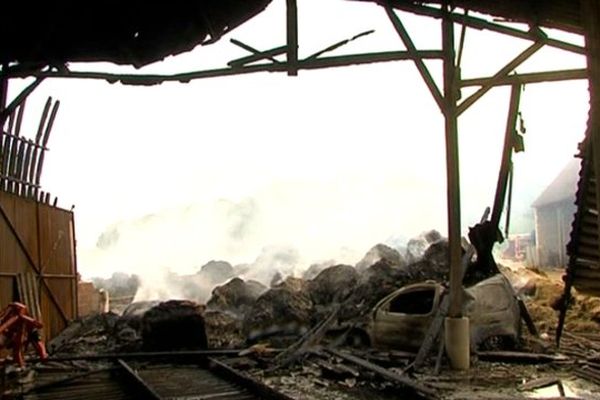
457	340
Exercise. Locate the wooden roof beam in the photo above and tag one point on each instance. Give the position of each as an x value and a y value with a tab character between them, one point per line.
480	23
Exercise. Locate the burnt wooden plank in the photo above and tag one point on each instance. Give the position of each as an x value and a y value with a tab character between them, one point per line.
389	375
38	148
18	167
46	136
8	152
25	169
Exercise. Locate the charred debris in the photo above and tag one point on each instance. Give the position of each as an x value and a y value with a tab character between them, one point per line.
341	331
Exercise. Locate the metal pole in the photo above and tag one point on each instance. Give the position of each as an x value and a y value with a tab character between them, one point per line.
452	169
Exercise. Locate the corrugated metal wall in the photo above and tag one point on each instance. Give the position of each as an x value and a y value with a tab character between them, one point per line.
39	239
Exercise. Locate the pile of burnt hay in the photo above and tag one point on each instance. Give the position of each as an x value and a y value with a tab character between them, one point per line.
545	291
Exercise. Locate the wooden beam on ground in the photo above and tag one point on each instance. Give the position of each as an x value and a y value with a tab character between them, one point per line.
412	50
383	372
299	348
147	355
519	357
147	390
255	386
61	381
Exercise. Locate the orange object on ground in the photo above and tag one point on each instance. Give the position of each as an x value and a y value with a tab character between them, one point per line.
18	330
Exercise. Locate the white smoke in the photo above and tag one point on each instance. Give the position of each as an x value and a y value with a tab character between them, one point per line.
279	232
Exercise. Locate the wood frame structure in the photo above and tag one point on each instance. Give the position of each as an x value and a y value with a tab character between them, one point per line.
446	99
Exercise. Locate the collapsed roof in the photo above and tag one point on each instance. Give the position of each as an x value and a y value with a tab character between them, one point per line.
138	33
134	32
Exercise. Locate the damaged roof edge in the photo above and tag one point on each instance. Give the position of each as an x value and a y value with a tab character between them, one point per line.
122	32
556	14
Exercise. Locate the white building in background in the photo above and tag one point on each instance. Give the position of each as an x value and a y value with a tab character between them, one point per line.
554	211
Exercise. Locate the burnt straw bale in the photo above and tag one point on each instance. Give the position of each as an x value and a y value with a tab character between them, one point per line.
174	325
333	284
380	252
236	296
283	310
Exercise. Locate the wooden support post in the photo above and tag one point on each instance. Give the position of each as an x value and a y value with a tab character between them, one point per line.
292	37
452	169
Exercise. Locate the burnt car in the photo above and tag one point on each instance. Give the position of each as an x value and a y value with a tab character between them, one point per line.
401	319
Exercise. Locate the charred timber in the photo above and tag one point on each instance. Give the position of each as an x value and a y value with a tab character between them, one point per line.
155	79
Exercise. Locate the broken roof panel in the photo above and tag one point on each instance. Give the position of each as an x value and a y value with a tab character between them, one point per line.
132	32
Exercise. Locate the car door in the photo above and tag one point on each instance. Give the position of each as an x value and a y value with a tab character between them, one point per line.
402	318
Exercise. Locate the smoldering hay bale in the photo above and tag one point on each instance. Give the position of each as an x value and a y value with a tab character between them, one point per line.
216	272
416	247
380	252
282	310
333	284
236	296
173	325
